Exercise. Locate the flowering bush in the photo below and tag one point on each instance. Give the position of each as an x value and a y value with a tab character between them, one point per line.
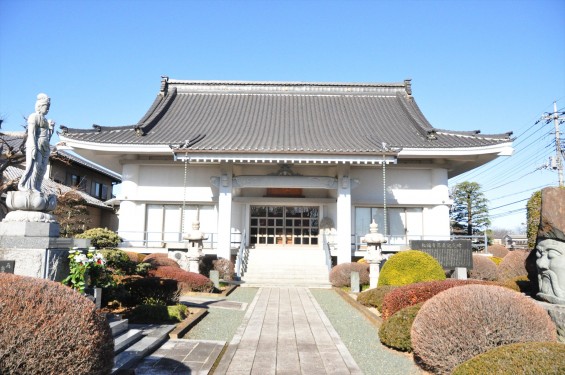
85	269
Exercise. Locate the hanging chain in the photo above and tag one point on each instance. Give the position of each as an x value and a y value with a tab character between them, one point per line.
184	195
384	195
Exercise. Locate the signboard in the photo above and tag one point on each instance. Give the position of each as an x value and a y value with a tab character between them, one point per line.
7	266
450	254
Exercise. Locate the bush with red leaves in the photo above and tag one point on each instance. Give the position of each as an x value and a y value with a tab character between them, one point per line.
513	265
159	260
48	328
460	323
499	251
188	281
340	275
483	268
413	294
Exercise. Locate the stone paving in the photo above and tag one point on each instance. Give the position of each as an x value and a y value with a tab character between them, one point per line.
286	332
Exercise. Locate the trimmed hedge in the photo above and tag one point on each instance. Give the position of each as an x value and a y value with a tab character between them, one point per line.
101	238
531	358
412	294
409	267
374	297
160	260
483	268
460	323
48	328
513	265
139	289
155	313
499	251
395	331
340	275
188	281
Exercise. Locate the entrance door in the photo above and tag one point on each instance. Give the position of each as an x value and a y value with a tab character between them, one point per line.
283	225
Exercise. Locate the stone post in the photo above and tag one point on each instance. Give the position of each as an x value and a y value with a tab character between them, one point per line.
374	253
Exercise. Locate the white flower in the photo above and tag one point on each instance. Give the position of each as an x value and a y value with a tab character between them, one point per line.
82	259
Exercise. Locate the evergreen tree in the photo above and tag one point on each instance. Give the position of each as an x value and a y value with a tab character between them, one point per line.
469	209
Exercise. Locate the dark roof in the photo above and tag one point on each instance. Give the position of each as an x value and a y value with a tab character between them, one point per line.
295	117
86	163
13	141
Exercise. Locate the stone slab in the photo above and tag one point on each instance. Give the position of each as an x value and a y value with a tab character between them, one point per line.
49	264
29	229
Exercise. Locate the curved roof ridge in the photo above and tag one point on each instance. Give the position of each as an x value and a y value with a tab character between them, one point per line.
474	133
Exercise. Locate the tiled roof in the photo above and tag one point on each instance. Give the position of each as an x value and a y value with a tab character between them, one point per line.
49	186
86	163
293	117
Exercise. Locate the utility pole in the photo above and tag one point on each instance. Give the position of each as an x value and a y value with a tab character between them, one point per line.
557	118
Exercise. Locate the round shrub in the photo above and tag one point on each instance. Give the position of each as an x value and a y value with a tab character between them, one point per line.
188	281
499	251
374	297
119	261
408	267
101	238
522	358
137	290
513	265
134	257
462	322
412	294
483	268
340	275
395	331
47	327
160	260
225	268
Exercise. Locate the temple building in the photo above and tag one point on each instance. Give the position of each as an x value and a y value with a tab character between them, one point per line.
283	165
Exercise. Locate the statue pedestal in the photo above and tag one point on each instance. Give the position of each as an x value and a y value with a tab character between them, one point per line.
29	229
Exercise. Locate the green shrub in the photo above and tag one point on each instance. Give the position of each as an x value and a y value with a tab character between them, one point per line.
137	289
533	216
177	313
513	265
119	261
48	328
519	284
409	295
101	238
142	269
483	268
395	331
460	323
340	275
374	297
531	358
408	267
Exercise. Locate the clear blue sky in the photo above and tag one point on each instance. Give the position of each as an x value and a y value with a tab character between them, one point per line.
490	65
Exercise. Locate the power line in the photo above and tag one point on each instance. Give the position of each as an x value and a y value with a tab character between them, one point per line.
509	204
520	192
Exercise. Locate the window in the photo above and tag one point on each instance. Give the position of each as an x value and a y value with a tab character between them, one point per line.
402	224
99	191
75	180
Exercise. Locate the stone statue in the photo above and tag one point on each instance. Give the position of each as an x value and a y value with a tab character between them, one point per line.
39	132
29	204
550	246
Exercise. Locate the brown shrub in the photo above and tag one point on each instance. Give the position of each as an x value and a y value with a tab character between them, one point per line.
48	328
160	260
225	268
463	322
483	268
499	251
188	281
413	294
374	297
513	265
340	275
133	256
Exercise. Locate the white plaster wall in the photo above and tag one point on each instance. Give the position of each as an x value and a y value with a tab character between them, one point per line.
436	222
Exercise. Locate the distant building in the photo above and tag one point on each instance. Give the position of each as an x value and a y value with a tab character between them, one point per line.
515	241
274	160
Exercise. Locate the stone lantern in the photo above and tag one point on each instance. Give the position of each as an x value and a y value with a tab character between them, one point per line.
189	259
374	256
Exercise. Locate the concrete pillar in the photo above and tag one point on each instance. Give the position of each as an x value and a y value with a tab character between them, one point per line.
131	219
224	212
344	216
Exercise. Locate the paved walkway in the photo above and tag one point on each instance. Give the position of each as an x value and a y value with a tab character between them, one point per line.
286	332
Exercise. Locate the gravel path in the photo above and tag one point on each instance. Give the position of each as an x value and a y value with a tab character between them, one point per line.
220	324
361	338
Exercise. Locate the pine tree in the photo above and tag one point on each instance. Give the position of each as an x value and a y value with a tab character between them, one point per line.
469	209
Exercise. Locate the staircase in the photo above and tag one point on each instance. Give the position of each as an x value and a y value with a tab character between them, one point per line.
286	266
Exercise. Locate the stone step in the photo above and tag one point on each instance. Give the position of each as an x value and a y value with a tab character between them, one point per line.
126	339
293	283
153	336
119	326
